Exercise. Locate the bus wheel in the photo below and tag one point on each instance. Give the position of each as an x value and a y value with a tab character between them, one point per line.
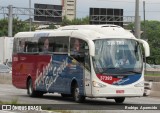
119	99
30	89
76	96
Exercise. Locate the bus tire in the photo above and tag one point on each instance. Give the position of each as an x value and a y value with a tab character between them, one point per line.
78	98
119	99
31	92
30	89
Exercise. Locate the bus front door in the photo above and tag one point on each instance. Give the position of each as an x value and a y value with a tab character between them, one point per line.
87	82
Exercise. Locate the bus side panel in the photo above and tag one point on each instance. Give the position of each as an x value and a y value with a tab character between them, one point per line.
51	75
57	75
68	69
23	66
42	68
75	72
28	65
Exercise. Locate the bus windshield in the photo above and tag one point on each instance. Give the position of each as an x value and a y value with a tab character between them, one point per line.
117	56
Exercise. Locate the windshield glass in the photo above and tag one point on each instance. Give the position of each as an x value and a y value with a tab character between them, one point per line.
117	56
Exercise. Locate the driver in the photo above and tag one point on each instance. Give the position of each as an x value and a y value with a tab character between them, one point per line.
123	61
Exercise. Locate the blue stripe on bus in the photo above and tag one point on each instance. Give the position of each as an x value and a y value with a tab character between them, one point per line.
128	80
59	75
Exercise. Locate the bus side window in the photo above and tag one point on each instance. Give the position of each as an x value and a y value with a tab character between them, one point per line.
53	44
21	47
44	45
31	47
60	44
80	51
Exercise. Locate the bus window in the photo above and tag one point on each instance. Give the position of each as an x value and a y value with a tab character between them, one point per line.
53	44
80	51
46	45
31	46
15	46
60	44
21	46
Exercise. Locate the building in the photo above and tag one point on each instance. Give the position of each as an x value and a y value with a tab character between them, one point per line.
69	9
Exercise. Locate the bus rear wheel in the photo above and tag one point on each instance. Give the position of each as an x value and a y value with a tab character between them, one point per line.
31	92
77	97
119	99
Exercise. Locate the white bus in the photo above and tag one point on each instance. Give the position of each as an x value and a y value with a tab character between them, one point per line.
96	61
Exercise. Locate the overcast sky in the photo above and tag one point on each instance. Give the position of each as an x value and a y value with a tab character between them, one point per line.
152	6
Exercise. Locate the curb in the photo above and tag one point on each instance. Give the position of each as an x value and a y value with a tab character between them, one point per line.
152	89
155	89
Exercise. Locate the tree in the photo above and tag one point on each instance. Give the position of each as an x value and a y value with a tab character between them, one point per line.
153	37
77	21
18	26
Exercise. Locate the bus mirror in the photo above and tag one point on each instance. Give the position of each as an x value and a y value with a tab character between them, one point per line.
91	48
146	47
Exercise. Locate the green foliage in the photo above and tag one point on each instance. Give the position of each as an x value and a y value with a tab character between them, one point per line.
52	26
152	35
13	102
76	21
18	26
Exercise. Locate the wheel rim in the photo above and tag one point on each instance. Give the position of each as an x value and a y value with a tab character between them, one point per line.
76	93
30	88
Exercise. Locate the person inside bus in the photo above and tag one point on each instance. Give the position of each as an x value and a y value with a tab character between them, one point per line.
76	51
46	45
75	48
123	61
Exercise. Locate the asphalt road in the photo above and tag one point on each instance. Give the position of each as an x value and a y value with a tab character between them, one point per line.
9	93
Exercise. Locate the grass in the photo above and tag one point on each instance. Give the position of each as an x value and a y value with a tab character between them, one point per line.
13	101
152	75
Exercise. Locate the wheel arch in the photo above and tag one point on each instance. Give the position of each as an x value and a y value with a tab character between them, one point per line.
73	83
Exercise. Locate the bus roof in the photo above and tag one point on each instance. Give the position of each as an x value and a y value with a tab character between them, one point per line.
90	32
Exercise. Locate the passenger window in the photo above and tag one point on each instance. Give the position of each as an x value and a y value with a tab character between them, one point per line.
21	46
79	50
60	44
31	46
53	44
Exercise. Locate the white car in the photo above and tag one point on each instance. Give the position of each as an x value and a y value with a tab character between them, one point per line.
4	69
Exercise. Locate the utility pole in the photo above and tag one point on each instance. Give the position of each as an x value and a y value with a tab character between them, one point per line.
30	19
137	20
10	20
144	15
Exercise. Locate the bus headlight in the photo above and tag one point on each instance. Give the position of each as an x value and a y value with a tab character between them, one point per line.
141	84
97	84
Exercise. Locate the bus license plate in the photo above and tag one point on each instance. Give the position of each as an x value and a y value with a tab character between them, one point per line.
119	91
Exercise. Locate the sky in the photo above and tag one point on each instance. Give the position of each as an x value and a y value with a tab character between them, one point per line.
152	7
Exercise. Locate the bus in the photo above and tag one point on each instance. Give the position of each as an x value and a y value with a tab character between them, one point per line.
95	61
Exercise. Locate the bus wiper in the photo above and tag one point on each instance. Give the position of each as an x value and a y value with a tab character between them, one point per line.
105	70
